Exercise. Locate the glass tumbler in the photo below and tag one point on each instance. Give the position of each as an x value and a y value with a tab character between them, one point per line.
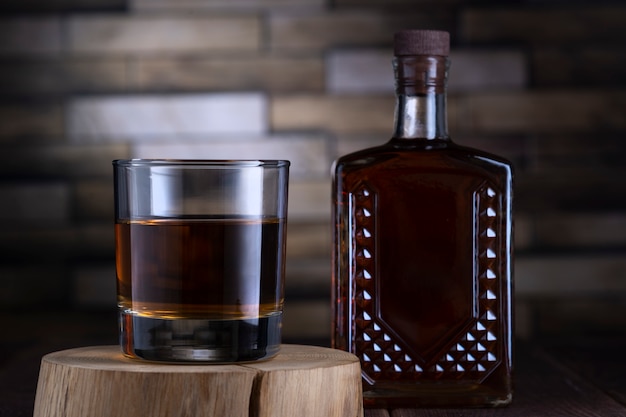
200	258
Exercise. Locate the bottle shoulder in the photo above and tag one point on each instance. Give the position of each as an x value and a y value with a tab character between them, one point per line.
420	155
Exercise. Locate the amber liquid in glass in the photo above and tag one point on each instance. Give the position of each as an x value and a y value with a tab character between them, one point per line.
422	273
200	288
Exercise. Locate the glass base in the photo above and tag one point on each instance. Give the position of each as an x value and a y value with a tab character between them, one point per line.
200	340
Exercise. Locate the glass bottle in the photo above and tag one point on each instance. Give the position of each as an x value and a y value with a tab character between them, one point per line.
422	259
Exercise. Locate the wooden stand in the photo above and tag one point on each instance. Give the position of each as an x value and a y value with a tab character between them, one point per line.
305	381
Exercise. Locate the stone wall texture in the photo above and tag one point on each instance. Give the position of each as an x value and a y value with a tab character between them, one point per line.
83	82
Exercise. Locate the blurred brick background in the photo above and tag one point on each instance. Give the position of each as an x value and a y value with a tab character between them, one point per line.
83	82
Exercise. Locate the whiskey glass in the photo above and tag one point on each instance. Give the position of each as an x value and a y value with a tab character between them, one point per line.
200	258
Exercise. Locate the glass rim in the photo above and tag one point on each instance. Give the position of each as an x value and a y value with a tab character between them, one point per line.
278	163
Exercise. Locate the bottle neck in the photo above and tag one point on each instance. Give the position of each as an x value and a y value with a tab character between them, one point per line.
421	97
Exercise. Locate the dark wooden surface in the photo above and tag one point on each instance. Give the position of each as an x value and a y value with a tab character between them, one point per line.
578	377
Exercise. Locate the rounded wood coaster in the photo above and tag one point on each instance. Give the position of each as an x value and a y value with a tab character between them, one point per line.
101	382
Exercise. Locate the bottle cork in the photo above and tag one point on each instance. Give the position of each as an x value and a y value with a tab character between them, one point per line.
422	42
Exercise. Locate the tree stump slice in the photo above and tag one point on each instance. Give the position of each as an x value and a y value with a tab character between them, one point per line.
99	381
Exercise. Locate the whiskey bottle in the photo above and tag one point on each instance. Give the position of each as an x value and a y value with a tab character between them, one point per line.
422	259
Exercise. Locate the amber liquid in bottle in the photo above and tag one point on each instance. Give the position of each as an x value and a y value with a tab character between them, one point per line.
422	265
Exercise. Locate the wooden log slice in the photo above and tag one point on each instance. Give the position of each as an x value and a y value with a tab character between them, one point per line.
101	382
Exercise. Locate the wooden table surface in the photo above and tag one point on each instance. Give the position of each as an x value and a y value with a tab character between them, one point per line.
579	377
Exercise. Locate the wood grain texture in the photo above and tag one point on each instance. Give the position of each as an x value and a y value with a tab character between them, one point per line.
308	381
100	381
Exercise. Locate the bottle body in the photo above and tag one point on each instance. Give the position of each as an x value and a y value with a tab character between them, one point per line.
422	272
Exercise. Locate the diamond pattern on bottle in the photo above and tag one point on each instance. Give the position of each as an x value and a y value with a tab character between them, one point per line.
474	354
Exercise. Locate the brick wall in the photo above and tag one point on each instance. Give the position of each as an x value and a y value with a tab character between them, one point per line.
83	82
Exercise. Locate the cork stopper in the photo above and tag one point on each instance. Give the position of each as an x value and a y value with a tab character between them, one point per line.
422	42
